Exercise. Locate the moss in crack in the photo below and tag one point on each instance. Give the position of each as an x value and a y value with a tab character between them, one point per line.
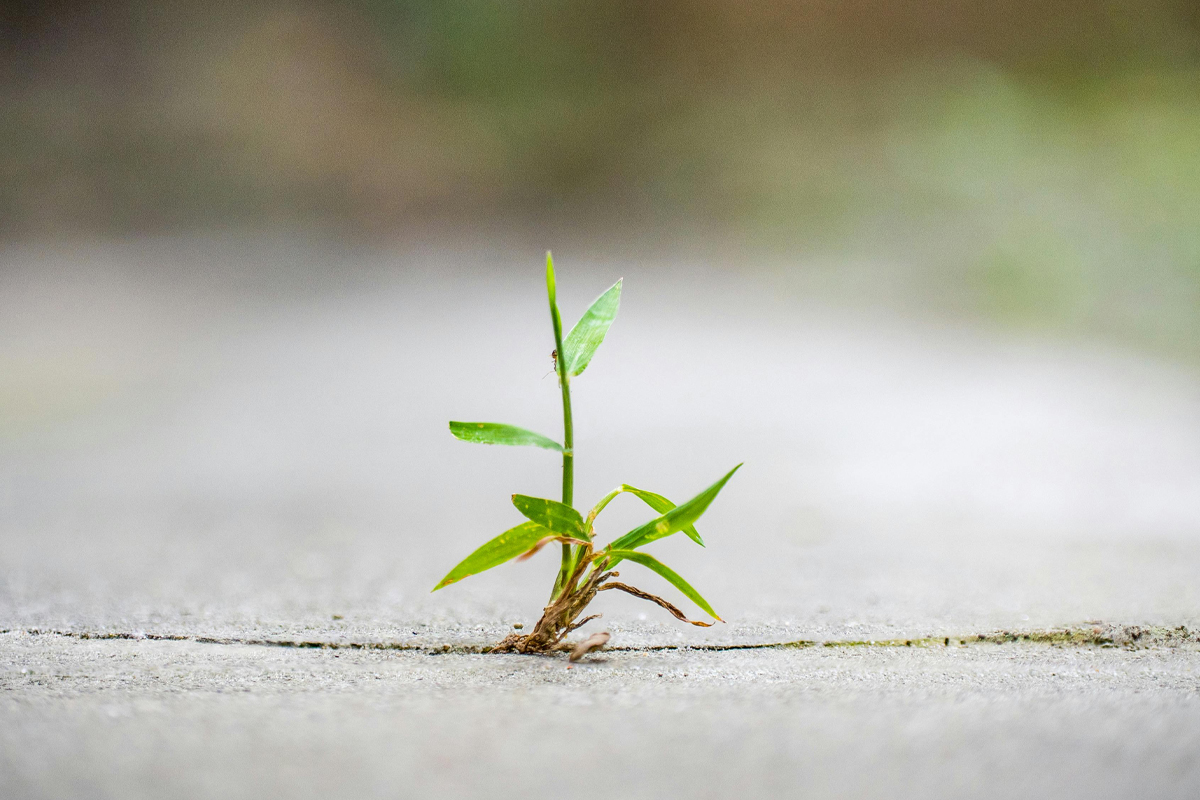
1128	636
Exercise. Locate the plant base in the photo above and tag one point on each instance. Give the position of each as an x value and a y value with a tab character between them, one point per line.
559	618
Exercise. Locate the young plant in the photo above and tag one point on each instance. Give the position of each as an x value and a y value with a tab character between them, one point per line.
586	568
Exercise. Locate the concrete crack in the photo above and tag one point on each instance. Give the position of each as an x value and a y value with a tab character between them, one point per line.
1092	635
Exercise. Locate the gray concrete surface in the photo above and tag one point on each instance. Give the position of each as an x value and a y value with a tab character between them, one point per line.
239	439
168	719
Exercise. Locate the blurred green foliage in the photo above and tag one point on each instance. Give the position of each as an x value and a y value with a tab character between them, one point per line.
1035	162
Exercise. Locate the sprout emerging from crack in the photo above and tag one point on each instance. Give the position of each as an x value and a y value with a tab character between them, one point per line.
586	568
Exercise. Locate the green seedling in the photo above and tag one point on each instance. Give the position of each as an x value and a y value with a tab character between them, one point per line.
586	568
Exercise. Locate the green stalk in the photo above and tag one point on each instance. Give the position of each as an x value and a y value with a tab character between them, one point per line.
568	472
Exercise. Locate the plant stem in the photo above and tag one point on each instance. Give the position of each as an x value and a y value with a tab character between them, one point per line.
568	476
564	382
568	445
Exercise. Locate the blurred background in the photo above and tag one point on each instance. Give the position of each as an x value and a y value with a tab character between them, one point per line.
1027	162
935	264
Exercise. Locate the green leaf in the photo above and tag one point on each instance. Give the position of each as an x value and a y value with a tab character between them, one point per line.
674	520
505	547
498	433
662	505
550	285
556	323
589	332
655	501
647	560
552	515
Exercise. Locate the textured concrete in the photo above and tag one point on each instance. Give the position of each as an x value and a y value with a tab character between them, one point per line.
242	440
169	719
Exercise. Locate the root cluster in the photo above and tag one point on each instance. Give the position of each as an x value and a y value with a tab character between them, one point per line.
563	614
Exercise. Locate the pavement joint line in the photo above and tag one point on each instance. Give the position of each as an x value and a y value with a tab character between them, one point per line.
1091	635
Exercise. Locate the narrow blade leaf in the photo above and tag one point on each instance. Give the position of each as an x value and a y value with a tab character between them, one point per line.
674	520
662	505
505	547
552	515
589	332
556	324
498	433
647	560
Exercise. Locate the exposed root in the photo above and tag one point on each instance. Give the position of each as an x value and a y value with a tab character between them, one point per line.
654	599
582	622
559	618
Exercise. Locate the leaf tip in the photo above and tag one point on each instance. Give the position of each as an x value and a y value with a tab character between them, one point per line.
446	581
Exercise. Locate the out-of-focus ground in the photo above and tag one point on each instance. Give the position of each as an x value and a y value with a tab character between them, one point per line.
263	443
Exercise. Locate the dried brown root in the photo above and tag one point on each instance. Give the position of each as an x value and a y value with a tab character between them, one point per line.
559	618
654	599
581	623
